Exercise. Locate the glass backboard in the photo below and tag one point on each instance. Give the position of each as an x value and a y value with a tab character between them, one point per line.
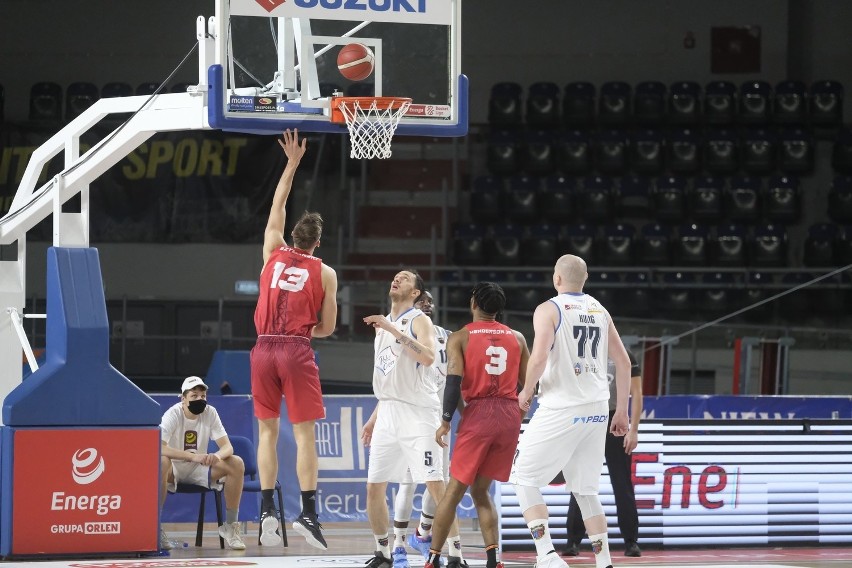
276	63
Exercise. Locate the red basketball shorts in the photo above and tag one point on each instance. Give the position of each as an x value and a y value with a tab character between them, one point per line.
283	365
486	440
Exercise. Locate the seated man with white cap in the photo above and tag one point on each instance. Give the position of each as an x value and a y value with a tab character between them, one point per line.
185	432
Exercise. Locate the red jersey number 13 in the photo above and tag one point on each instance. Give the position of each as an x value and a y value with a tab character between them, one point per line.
294	280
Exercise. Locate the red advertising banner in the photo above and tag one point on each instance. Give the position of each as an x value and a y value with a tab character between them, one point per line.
85	491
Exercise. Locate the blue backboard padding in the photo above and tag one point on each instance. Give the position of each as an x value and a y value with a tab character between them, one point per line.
255	125
231	367
77	386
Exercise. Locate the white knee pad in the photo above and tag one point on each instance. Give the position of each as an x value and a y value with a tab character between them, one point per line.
590	505
528	496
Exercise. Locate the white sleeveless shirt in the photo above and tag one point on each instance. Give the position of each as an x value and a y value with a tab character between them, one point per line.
576	370
396	373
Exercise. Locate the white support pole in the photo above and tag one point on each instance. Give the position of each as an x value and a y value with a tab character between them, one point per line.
12	280
18	324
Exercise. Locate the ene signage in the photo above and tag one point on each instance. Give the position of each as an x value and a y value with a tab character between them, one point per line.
85	491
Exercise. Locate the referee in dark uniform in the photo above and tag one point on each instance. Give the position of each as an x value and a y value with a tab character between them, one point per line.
618	454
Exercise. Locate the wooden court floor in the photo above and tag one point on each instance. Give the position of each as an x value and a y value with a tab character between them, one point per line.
351	545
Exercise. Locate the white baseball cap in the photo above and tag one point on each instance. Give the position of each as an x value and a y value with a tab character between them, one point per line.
190	383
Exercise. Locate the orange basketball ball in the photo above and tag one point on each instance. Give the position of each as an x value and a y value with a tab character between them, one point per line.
355	61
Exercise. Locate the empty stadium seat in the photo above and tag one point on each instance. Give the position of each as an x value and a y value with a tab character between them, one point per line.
819	244
720	103
557	199
614	104
527	292
675	299
796	151
502	153
595	199
521	204
504	105
721	296
755	103
617	245
116	89
486	199
669	196
706	199
580	240
46	102
653	245
683	152
729	246
781	199
78	97
742	200
684	103
504	248
647	154
540	247
538	157
758	151
769	246
636	298
790	103
469	245
826	103
649	103
574	153
147	88
721	152
578	105
691	246
634	197
543	105
611	153
756	291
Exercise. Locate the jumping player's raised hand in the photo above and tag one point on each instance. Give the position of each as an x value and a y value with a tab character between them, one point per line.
291	146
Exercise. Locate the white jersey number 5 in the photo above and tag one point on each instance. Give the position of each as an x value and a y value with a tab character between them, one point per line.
497	362
296	277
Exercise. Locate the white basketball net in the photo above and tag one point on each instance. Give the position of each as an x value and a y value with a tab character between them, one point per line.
371	128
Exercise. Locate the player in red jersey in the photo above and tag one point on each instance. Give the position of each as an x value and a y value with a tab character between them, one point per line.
486	364
295	287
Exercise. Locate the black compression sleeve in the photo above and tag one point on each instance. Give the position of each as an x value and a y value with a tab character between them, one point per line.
452	394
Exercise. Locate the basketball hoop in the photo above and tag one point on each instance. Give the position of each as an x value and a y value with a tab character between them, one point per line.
371	122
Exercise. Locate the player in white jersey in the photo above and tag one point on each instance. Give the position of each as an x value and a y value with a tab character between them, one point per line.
574	336
409	403
421	538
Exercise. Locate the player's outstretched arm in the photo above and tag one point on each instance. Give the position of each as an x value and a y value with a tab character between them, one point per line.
273	237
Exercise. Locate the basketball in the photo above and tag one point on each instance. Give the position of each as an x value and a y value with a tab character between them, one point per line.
355	61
